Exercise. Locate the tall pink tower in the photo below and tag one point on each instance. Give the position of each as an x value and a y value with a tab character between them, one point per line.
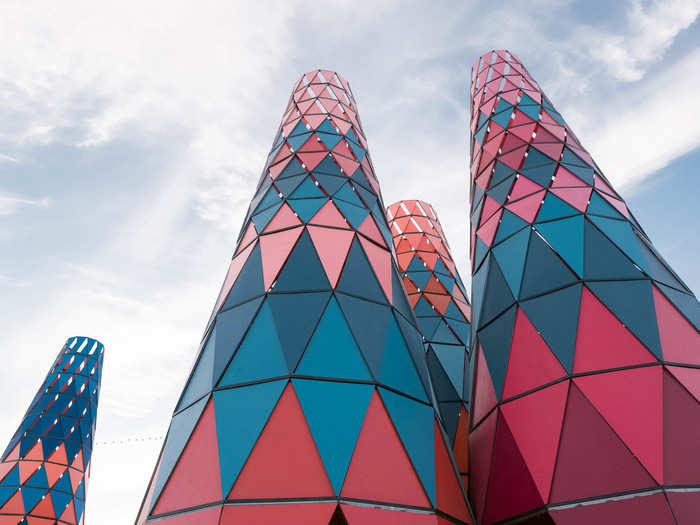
585	341
310	402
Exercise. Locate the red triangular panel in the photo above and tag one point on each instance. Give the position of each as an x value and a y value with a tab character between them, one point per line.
332	246
275	248
646	509
284	462
449	496
208	516
535	421
380	259
681	434
592	460
509	470
602	341
688	377
631	402
680	342
531	362
380	469
485	395
196	479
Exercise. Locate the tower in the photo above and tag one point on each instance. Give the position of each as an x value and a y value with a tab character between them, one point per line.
436	294
45	469
309	402
586	342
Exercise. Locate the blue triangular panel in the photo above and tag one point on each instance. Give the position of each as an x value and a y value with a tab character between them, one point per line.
566	237
335	412
495	340
241	414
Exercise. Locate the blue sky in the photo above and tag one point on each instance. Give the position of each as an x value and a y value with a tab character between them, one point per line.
132	136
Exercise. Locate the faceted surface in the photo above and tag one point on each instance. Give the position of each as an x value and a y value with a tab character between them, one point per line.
586	345
45	469
310	387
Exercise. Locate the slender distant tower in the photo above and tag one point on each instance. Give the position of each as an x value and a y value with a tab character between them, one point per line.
310	403
586	342
45	469
436	294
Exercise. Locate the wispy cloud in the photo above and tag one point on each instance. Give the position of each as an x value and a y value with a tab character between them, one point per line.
12	203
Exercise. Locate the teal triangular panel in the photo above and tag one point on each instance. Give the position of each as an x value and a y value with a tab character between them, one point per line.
241	414
369	323
496	340
303	269
332	351
451	358
621	233
602	259
566	237
307	208
633	303
415	426
511	257
354	214
260	354
544	271
335	412
555	316
296	316
599	206
179	433
554	208
398	369
307	189
510	223
358	277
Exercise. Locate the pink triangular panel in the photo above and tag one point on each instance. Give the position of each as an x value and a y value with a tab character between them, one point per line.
509	470
275	248
563	177
592	460
233	270
681	434
523	187
485	394
380	468
369	228
528	207
685	505
284	218
332	246
531	362
449	496
680	342
488	231
329	215
285	462
688	377
631	403
602	341
577	197
380	259
538	448
195	479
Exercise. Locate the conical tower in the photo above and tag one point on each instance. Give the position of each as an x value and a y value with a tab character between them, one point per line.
45	469
310	401
437	295
586	342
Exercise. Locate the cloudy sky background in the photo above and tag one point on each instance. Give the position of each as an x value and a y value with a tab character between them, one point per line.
132	136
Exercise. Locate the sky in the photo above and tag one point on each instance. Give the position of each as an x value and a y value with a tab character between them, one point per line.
132	135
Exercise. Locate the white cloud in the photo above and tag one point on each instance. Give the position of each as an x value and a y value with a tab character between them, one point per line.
651	28
11	203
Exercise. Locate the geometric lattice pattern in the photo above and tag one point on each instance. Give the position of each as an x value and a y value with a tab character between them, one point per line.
45	469
436	294
586	343
310	401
